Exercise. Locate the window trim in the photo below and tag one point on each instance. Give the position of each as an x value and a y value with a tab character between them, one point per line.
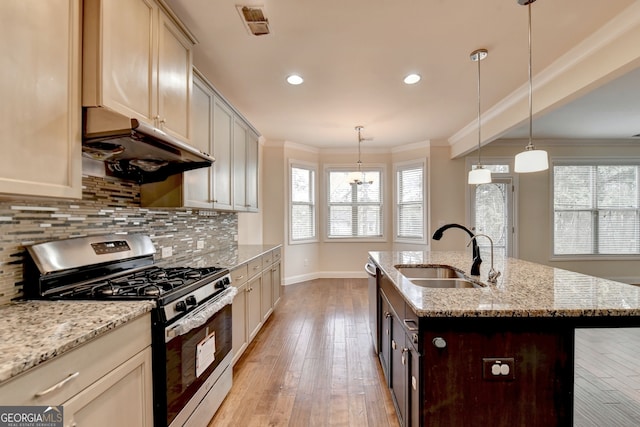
377	167
397	167
584	161
312	167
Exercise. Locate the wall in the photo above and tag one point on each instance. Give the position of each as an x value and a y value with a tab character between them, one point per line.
107	206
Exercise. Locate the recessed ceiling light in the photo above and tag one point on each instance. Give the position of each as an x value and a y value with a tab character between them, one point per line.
412	79
294	79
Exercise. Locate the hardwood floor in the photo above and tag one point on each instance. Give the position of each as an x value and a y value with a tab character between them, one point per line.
313	365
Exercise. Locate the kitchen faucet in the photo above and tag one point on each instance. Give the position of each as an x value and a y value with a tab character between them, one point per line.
493	274
475	267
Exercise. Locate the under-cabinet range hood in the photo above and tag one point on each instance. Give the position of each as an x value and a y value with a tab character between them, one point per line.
135	151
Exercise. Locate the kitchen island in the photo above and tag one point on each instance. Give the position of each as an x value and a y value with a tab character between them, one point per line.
493	354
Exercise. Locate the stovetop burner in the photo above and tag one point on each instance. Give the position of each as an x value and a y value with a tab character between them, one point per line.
151	282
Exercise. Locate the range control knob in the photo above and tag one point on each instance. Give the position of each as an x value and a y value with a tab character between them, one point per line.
223	283
181	306
191	300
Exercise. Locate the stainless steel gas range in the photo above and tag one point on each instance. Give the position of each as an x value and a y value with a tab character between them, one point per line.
191	324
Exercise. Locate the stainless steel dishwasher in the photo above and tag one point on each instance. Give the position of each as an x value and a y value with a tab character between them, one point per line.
372	273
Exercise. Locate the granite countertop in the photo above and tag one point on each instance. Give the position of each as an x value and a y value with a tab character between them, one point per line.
228	257
524	289
32	332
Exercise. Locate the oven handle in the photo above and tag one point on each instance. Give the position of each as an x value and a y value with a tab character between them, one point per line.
200	315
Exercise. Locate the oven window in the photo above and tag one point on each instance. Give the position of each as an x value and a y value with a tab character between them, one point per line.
182	356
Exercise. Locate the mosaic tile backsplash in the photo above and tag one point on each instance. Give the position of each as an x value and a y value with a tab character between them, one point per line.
107	206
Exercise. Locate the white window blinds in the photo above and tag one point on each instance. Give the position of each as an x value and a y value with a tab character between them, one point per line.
355	210
596	209
302	218
410	202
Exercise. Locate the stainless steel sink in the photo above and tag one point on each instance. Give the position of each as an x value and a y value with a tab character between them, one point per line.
444	283
439	277
436	272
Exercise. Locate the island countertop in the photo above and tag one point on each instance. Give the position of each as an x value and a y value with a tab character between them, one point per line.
524	289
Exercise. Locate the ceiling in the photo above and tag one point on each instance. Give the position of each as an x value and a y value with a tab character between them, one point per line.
354	54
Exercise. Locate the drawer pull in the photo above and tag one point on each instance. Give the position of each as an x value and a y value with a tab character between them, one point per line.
411	325
240	277
58	386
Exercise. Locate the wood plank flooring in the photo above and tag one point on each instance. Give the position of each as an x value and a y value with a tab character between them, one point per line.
313	364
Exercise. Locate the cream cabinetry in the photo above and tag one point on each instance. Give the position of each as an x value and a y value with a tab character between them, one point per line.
258	283
231	183
105	382
40	116
137	61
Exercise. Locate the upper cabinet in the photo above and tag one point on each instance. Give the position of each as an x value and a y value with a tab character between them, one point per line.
137	61
231	183
40	104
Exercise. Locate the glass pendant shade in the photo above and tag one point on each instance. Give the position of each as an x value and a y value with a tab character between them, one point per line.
531	160
479	176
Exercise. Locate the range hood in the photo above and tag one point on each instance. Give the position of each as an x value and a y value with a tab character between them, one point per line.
133	150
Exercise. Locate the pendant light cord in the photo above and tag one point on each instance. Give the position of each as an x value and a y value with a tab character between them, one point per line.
479	137
530	145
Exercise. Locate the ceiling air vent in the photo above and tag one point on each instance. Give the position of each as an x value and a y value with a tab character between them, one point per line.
254	20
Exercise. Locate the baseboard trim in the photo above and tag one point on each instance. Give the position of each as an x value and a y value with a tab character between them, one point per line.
325	275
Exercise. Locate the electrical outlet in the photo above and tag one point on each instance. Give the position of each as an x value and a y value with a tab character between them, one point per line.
200	244
498	368
167	252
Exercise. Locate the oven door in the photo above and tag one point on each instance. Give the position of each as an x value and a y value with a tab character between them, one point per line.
195	345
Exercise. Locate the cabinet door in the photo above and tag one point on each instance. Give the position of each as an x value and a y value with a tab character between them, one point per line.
254	306
385	336
240	333
399	368
40	101
275	282
251	175
267	297
415	381
239	165
123	397
174	79
223	153
197	182
120	56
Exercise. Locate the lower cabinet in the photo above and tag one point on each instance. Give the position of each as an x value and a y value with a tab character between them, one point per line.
259	286
239	335
104	382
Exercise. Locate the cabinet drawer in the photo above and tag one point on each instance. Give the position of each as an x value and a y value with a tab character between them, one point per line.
239	275
267	259
86	364
276	254
255	266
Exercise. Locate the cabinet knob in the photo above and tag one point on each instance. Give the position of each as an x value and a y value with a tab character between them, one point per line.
439	342
387	314
393	344
404	357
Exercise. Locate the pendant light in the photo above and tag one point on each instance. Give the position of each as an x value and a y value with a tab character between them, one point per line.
358	177
530	160
479	175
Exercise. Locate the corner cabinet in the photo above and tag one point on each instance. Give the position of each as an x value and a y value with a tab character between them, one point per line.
137	60
104	382
40	103
231	183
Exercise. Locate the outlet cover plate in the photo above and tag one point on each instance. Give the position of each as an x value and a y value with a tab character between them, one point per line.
498	368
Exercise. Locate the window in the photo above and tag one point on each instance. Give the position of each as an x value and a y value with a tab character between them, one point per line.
355	210
410	202
596	209
302	217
